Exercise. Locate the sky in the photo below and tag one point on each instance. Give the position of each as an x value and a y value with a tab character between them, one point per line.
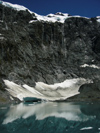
86	8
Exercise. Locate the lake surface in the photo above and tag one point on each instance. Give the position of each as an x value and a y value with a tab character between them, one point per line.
50	117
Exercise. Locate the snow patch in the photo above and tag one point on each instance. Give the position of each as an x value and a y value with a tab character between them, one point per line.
14	6
58	17
57	91
92	66
97	16
51	18
98	20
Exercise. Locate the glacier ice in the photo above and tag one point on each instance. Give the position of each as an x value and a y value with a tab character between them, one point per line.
53	92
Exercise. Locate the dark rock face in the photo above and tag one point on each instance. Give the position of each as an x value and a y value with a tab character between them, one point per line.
46	51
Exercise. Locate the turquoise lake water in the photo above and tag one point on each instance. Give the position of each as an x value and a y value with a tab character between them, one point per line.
50	117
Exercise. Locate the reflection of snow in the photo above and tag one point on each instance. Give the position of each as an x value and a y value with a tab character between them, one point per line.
57	91
68	111
86	128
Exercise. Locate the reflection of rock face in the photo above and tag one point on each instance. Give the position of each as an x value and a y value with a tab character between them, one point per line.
45	51
68	111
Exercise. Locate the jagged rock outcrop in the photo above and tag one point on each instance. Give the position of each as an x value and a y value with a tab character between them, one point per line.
32	50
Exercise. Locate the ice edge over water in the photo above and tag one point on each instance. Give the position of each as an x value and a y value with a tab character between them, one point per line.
54	92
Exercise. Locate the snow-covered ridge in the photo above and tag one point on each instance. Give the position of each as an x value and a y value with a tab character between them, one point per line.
14	6
52	17
58	17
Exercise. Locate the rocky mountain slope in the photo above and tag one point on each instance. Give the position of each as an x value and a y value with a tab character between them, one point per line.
49	49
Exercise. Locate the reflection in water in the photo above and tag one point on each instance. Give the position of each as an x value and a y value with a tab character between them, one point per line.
48	117
67	111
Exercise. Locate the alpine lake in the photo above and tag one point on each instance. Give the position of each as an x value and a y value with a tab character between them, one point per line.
50	117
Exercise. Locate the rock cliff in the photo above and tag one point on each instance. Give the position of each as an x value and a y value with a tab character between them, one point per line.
33	49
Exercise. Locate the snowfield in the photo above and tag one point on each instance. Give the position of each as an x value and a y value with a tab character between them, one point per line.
57	91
